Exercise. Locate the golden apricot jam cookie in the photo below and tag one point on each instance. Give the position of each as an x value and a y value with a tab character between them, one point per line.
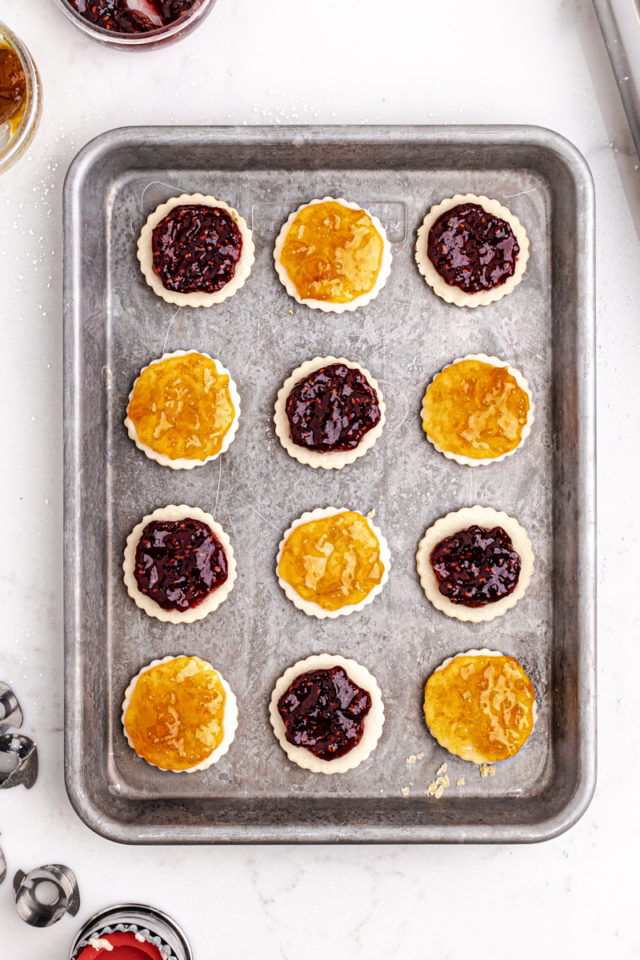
480	705
327	713
178	564
195	251
183	410
332	562
471	250
477	410
475	564
332	255
179	714
329	412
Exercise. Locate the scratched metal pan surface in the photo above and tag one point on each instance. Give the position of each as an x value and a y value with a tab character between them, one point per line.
114	325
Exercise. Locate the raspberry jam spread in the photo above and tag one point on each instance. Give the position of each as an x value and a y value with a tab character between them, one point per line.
196	248
472	249
179	562
475	567
123	945
119	16
324	711
332	409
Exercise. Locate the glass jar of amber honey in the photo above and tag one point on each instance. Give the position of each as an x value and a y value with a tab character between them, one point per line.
20	98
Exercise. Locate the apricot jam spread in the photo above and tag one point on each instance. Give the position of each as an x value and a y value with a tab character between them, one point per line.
196	248
475	567
181	407
324	711
332	253
475	409
174	718
332	409
472	249
179	562
480	707
333	561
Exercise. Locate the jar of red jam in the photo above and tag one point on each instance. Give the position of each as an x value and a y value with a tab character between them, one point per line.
136	24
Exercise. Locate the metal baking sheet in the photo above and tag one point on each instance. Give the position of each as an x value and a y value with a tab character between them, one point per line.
620	25
114	325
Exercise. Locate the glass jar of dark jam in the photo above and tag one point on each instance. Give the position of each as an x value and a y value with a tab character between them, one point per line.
136	24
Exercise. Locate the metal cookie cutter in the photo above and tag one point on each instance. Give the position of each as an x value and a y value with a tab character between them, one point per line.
23	762
48	910
10	712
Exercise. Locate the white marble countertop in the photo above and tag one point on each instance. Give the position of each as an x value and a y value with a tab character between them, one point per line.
342	61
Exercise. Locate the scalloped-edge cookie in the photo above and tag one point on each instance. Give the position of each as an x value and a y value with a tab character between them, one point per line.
453	294
212	601
229	716
487	518
335	459
185	463
195	299
315	609
373	722
471	753
526	430
326	305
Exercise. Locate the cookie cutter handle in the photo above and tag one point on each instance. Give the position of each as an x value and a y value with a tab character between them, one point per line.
10	710
37	912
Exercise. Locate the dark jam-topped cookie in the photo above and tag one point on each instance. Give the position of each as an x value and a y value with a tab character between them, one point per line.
472	249
179	562
324	711
196	248
332	408
476	566
118	16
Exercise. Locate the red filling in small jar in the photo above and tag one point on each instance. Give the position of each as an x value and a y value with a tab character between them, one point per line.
475	567
324	711
179	562
122	946
196	248
118	16
332	409
472	249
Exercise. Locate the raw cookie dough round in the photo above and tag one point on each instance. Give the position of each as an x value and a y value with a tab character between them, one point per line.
229	716
373	722
196	298
526	429
212	600
329	306
453	294
455	728
187	463
486	518
335	459
311	607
